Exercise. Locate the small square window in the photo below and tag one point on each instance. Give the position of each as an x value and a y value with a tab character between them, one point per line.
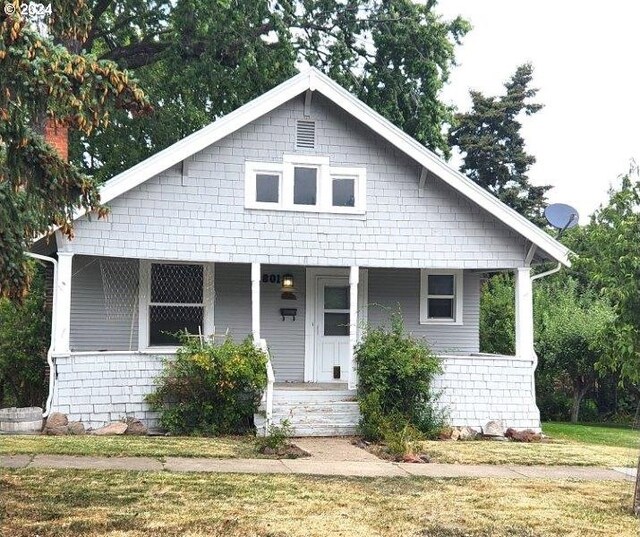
344	193
441	297
305	186
267	188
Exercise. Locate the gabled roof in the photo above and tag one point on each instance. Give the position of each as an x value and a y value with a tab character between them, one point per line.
314	80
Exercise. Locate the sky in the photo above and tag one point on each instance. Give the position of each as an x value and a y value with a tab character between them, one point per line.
586	57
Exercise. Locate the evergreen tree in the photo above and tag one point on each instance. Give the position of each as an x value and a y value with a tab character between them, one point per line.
42	79
493	149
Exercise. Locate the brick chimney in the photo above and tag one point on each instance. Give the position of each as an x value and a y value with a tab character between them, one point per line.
57	135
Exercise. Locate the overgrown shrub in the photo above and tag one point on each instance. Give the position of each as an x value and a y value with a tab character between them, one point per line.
210	389
395	383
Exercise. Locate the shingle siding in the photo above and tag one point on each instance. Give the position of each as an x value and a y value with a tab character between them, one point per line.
393	290
202	216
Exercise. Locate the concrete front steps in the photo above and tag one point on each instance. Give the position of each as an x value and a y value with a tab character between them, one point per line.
313	412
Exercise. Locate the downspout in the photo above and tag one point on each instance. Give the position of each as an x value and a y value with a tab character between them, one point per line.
52	365
528	259
548	273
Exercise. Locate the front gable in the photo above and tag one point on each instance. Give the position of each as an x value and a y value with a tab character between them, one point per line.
202	211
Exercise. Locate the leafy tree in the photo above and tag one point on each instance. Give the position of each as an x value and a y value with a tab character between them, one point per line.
200	59
571	332
610	259
572	336
490	140
497	318
24	339
41	80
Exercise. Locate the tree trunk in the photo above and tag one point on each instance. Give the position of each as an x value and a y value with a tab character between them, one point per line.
578	394
636	496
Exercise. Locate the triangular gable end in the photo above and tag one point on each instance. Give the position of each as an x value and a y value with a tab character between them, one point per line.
314	80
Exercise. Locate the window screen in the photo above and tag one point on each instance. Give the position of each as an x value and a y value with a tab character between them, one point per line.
441	296
176	302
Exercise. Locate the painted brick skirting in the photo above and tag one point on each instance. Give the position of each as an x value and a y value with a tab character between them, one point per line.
97	388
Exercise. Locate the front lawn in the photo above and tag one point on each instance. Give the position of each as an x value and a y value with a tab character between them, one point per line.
92	503
595	433
226	447
573	445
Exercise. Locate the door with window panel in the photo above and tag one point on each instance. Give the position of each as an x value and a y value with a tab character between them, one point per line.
332	325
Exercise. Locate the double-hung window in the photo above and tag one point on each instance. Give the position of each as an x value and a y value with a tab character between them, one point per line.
441	296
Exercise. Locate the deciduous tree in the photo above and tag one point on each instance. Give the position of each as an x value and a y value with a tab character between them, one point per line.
200	59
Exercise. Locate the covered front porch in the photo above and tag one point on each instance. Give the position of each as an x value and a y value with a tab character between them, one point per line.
116	328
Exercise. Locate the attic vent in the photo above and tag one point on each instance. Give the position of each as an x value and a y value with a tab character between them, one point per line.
305	134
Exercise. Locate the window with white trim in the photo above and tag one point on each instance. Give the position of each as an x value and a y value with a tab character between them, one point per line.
305	183
174	298
441	296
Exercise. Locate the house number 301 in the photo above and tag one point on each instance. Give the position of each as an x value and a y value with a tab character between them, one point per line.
271	278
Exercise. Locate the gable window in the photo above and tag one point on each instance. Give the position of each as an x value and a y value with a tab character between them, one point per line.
176	300
267	188
305	183
441	296
343	192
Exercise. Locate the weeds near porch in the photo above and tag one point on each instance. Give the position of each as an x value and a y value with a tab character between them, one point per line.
278	437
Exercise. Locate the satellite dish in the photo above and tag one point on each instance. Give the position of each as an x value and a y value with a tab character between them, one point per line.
561	216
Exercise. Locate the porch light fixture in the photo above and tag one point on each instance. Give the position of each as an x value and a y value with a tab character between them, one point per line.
287	288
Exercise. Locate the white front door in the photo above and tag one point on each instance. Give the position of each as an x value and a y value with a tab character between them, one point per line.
332	329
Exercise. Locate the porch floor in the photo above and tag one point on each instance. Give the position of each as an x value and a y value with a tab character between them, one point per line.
311	386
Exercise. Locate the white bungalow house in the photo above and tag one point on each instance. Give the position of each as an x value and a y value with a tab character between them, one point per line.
298	218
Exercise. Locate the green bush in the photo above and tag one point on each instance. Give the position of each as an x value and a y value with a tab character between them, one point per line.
210	389
25	335
395	378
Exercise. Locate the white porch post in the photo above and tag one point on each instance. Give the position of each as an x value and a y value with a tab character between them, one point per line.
62	322
524	313
354	278
255	301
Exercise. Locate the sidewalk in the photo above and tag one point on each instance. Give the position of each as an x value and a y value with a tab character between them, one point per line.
316	466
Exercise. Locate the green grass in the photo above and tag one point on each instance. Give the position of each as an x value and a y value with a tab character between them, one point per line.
566	445
594	433
90	503
226	447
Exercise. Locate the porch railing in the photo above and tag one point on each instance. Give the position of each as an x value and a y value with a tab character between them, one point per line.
267	397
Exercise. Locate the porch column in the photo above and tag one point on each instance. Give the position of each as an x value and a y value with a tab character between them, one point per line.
255	301
62	322
354	277
524	313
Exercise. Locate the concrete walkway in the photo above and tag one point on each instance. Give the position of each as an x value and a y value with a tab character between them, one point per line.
315	466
